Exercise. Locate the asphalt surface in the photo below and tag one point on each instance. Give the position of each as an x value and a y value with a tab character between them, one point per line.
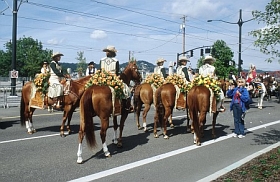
45	156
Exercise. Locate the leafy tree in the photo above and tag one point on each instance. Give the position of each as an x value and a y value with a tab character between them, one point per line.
82	65
29	58
223	55
268	37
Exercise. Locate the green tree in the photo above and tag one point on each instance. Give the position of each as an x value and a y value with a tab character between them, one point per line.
268	37
223	55
29	58
82	65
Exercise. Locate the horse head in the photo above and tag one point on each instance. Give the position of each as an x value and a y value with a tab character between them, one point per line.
131	73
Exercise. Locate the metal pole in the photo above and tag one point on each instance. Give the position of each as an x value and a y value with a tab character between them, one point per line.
240	22
14	47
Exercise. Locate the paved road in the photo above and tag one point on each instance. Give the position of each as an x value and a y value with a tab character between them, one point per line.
45	156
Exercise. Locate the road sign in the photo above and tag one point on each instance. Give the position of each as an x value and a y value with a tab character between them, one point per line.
14	74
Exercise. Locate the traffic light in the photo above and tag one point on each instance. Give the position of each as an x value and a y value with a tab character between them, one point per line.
191	53
201	52
241	62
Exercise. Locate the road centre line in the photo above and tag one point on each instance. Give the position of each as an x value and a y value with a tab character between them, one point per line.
161	156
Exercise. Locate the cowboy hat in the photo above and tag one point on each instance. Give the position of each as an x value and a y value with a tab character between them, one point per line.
184	58
110	48
209	58
91	63
160	60
57	54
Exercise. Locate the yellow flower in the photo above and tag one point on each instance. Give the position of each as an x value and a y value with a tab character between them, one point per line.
101	77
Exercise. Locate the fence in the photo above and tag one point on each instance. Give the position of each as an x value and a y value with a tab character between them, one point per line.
6	99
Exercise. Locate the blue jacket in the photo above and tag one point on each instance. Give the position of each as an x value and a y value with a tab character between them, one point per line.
243	98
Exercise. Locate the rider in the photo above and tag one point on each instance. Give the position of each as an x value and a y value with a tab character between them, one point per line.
182	69
45	68
207	69
111	64
252	74
56	88
159	69
90	69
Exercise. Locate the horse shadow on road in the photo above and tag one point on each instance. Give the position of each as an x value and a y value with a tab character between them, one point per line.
7	124
129	143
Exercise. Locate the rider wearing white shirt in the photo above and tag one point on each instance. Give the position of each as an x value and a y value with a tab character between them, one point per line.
207	69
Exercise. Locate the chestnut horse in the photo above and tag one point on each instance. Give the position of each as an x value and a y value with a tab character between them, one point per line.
97	101
71	102
198	103
144	95
165	102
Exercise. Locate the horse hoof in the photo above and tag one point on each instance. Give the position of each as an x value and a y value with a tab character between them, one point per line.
139	127
80	160
166	137
30	132
34	131
198	144
194	142
155	135
145	129
119	145
172	125
62	135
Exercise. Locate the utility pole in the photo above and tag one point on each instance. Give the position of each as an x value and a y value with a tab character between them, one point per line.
183	27
14	47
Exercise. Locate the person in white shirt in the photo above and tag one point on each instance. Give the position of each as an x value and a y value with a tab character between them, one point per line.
45	68
207	69
159	69
182	69
90	69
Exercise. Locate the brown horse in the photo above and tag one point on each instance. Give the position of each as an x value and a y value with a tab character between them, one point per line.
165	102
198	103
71	102
268	81
144	94
97	101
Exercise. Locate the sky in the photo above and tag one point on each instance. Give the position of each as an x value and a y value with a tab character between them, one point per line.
147	29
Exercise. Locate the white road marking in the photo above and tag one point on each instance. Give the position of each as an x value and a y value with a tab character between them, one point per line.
31	138
162	156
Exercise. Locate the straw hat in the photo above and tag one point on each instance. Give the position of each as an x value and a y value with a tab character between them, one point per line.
184	58
57	54
209	59
110	48
160	60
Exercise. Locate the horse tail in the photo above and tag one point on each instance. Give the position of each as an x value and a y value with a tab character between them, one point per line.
86	121
159	106
22	109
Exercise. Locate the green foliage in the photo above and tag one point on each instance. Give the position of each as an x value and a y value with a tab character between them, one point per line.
268	37
29	57
223	55
82	65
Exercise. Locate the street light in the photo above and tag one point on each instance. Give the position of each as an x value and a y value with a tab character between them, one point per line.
239	23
